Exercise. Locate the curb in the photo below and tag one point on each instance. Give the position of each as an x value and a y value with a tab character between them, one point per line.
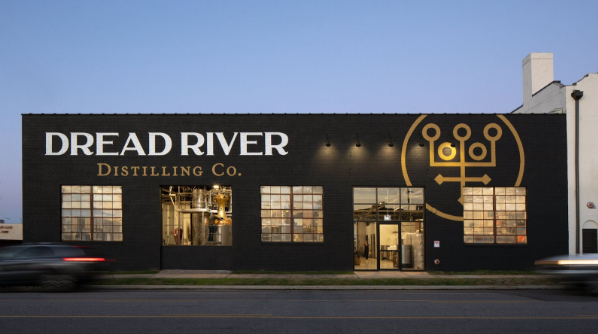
324	287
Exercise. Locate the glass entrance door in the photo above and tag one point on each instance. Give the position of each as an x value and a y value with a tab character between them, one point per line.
365	250
412	246
388	225
389	246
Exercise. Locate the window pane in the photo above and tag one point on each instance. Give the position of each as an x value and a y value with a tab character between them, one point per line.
286	203
502	215
416	196
364	195
389	195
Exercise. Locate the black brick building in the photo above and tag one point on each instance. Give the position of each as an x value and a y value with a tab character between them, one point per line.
299	192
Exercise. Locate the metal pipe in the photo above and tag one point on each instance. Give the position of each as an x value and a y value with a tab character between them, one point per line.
577	95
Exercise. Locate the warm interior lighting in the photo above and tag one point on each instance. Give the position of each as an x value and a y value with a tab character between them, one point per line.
216	186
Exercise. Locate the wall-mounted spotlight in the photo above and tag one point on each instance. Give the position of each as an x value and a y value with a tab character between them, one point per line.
357	142
389	141
451	139
327	141
420	142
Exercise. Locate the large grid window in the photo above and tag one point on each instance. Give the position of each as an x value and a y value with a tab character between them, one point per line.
92	213
494	215
292	214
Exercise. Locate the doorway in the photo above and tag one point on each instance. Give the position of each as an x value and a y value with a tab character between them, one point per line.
388	228
590	241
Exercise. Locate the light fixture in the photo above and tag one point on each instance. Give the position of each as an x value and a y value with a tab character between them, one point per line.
389	141
357	142
421	142
327	141
451	139
216	186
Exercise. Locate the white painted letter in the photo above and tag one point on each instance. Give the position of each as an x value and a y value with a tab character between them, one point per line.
136	145
100	142
245	142
284	140
210	145
85	147
152	143
63	138
226	147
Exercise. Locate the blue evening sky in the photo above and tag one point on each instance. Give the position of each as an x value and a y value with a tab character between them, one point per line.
247	56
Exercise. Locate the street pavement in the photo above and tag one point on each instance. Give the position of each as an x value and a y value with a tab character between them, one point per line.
167	311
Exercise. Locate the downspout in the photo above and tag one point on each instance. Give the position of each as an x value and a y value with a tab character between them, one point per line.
577	95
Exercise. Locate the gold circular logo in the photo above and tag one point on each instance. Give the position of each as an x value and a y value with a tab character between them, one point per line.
447	151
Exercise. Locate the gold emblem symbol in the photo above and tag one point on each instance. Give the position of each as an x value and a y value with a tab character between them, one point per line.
447	152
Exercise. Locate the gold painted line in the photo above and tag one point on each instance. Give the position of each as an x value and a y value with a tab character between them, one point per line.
442	214
519	145
404	151
462	164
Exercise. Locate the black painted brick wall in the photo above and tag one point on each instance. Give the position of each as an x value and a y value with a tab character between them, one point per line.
337	168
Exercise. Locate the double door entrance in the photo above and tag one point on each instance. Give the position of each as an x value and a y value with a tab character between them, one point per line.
388	229
390	246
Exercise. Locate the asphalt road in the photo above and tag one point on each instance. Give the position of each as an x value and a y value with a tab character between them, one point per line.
378	312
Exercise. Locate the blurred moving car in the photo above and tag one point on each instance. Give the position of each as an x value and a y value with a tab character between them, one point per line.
579	270
55	267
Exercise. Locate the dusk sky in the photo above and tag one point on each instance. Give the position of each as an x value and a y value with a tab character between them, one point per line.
275	57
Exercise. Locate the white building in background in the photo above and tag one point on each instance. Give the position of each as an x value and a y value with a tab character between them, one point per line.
541	94
11	232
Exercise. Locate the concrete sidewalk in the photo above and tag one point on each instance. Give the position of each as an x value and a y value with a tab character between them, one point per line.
358	275
354	275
